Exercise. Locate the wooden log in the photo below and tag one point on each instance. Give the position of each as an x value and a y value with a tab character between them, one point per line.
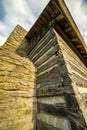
56	91
61	111
70	56
59	17
58	110
80	82
68	29
47	16
75	125
44	126
49	73
54	80
47	55
74	39
53	72
49	82
51	62
52	100
77	70
55	121
83	92
78	46
50	11
40	43
57	6
52	42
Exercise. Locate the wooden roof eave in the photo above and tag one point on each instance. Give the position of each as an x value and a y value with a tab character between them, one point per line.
71	22
64	14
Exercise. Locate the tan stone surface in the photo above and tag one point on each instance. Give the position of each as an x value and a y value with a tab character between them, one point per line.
17	76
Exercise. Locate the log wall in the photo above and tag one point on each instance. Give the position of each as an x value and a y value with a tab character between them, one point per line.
60	84
52	84
77	73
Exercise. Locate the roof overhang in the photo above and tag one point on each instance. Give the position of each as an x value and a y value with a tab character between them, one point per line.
57	10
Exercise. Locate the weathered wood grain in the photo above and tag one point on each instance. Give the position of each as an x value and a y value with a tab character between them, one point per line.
78	76
44	126
46	55
47	46
40	44
61	110
52	100
51	62
58	122
49	73
54	91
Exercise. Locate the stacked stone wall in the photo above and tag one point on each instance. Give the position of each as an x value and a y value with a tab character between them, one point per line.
17	77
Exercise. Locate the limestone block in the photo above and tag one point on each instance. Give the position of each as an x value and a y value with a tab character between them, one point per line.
17	92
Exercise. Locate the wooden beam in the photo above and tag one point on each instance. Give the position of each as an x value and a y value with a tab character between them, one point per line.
40	22
50	91
52	109
45	48
74	39
53	73
68	29
44	126
83	52
85	56
55	3
51	12
51	62
76	125
60	111
47	15
35	28
78	46
59	17
44	19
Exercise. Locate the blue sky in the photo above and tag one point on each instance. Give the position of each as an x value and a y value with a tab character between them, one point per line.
25	12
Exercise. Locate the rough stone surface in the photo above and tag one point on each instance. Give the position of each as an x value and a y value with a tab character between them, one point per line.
17	77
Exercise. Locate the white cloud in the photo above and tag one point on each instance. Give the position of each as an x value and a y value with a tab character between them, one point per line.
2	40
78	10
2	26
23	12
